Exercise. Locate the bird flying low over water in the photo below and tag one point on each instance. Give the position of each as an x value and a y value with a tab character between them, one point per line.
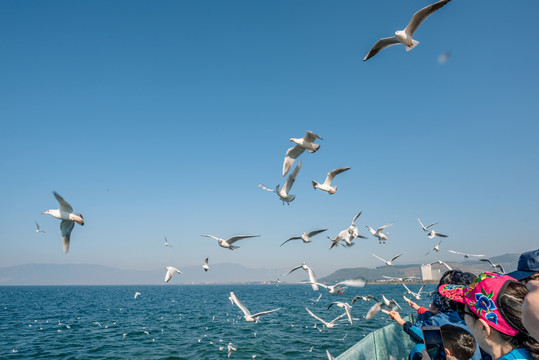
302	144
310	272
405	36
417	295
328	325
364	298
343	285
326	186
247	314
390	262
494	266
65	213
283	192
171	271
466	256
306	237
346	307
227	244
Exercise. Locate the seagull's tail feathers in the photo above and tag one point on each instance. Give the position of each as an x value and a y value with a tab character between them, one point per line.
315	184
414	44
291	198
65	241
316	147
232	247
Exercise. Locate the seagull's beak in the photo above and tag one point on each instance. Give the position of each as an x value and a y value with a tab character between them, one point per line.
44	212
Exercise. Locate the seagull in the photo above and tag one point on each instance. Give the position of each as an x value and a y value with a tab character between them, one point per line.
316	300
306	143
230	349
494	266
166	243
171	271
442	59
310	272
417	295
65	213
283	192
329	355
248	316
466	256
379	234
328	325
206	267
38	229
353	230
405	36
390	262
433	233
306	237
343	235
227	244
342	285
425	228
390	304
326	186
136	295
346	308
364	298
435	248
440	262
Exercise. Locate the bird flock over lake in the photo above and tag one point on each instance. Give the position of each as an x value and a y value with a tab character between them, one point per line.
310	144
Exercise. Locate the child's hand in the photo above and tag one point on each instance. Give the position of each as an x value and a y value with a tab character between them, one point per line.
395	316
413	305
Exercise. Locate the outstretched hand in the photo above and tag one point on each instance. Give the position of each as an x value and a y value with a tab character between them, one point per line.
395	316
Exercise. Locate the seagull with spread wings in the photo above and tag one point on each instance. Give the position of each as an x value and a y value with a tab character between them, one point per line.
206	265
440	262
306	236
388	262
302	144
405	36
379	234
494	266
170	271
227	244
435	248
310	272
346	308
425	228
417	295
38	230
432	234
466	256
283	192
343	285
328	325
247	314
65	213
326	186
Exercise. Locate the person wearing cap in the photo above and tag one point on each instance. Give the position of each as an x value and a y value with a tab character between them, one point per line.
492	311
528	273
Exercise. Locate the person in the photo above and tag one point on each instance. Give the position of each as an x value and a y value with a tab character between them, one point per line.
492	310
528	273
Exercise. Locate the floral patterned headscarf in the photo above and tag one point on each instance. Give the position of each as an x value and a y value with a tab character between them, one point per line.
481	296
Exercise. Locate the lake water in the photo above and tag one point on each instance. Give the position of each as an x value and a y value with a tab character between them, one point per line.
182	321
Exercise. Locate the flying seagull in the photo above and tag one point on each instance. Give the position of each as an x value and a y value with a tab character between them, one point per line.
206	267
425	228
170	271
326	186
433	233
328	325
39	230
435	248
405	36
167	244
353	230
390	262
302	144
378	233
136	295
494	266
364	298
65	213
417	295
306	237
440	262
310	272
466	256
247	314
346	308
283	192
343	285
227	244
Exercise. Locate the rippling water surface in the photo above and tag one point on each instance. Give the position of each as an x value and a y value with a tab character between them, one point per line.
181	321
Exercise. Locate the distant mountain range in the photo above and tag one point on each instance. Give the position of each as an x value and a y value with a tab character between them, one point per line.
86	274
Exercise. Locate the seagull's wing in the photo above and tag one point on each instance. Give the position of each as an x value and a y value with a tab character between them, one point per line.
340	316
170	271
502	270
238	303
330	357
378	257
37	225
420	223
297	267
357	282
440	235
479	255
373	310
396	256
66	226
331	175
355	218
312	276
263	187
456	252
421	289
380	45
64	205
292	238
291	155
265	312
206	261
422	14
315	316
291	178
385	226
490	262
429	225
213	237
315	232
310	136
409	291
233	239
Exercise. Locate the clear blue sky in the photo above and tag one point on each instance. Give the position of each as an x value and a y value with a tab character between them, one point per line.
160	118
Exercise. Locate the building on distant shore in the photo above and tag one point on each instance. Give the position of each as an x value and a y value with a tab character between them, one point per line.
427	273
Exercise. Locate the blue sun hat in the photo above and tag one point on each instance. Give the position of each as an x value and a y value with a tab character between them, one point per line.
528	264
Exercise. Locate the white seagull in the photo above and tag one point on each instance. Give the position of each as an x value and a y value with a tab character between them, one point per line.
136	295
466	256
346	308
440	262
306	237
343	235
343	285
494	266
247	314
65	213
364	298
206	267
283	192
353	230
39	230
328	325
326	186
405	36
390	262
305	143
433	234
330	357
417	295
378	233
167	244
171	271
435	248
425	228
310	272
227	244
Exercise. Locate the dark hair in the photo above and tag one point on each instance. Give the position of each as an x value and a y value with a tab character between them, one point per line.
459	341
455	277
510	305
